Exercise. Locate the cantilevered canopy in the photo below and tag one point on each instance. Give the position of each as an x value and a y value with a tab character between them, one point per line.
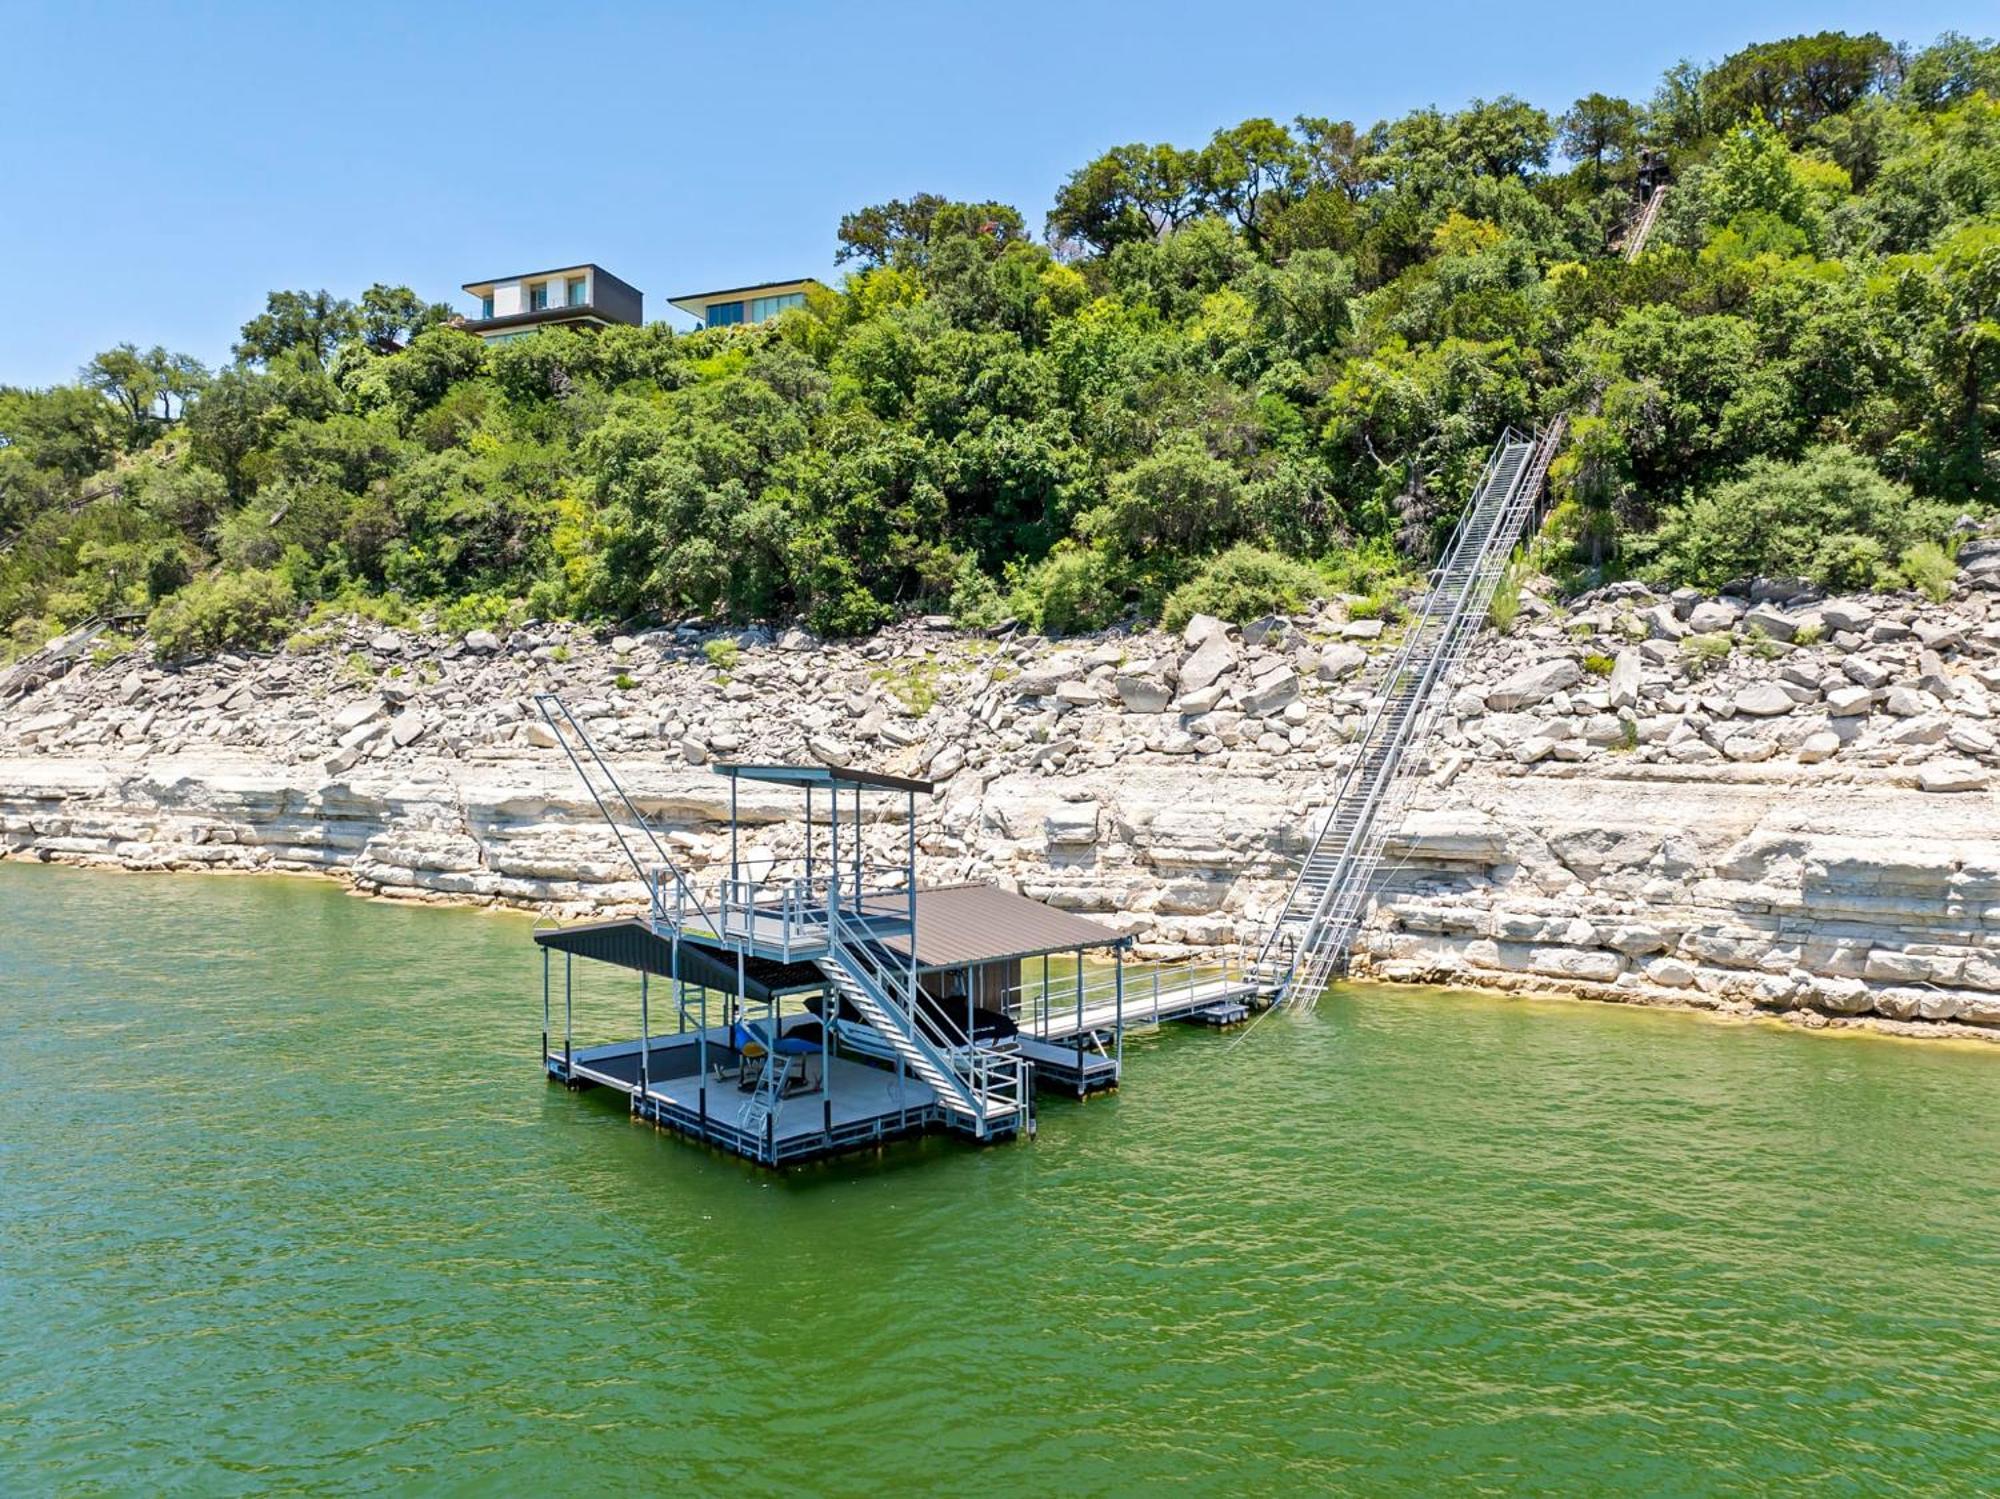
823	775
631	943
961	924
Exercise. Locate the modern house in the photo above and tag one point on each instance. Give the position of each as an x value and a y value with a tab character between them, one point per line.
577	296
743	304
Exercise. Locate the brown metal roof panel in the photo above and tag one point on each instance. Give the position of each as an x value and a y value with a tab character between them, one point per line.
960	924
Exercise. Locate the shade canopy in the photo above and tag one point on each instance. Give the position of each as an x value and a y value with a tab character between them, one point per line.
823	775
631	943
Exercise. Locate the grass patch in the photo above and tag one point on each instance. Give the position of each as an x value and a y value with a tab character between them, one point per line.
722	654
1598	664
914	685
1701	654
1930	571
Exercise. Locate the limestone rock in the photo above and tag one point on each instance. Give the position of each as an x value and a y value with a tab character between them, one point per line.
1536	684
1763	700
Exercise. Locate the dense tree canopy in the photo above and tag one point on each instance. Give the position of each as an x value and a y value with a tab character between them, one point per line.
1233	367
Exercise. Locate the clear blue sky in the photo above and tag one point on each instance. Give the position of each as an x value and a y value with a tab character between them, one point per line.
167	164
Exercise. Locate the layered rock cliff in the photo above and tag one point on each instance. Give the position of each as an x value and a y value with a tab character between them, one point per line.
1770	802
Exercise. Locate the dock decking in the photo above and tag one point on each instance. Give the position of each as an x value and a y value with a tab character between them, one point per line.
860	1105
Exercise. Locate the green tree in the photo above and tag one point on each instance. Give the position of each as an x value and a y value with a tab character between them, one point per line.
1799	81
1952	68
316	322
390	316
1598	128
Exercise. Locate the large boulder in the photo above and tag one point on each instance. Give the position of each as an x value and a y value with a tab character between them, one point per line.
1537	684
1763	700
1143	694
1339	661
1624	684
1214	656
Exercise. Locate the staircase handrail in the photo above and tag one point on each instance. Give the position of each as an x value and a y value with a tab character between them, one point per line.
1398	667
1345	897
553	709
979	1074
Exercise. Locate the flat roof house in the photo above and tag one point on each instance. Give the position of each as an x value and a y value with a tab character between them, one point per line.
576	296
743	304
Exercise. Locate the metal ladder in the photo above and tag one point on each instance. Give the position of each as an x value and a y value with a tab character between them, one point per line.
663	879
763	1102
1324	908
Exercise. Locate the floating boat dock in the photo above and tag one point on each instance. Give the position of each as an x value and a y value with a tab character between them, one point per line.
798	1012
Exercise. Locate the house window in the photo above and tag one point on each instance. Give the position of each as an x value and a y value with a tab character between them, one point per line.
723	314
538	297
763	307
486	305
575	290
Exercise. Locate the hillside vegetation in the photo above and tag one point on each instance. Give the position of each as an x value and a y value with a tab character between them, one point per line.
1225	377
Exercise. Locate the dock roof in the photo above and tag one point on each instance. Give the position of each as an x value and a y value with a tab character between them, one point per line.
824	775
961	924
631	943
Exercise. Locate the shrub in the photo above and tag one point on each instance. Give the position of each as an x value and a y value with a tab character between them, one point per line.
1930	570
1831	517
237	611
1809	633
1598	664
623	682
478	611
1703	653
1070	591
722	653
1241	584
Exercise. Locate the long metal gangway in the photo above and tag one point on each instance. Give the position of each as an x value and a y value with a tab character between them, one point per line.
1328	897
851	939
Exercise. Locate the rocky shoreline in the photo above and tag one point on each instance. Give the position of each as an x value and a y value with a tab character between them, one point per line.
1767	803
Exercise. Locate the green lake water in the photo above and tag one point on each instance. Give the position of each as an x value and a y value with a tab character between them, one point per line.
286	1204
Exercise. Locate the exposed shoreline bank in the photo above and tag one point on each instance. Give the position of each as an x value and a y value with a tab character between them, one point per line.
1760	833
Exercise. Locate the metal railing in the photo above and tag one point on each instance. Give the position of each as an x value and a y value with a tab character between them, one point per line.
1324	905
1107	997
983	1082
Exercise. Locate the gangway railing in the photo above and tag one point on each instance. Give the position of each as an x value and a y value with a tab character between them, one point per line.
63	651
1316	925
1105	997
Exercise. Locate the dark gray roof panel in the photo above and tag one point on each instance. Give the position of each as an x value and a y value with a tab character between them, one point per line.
631	943
824	775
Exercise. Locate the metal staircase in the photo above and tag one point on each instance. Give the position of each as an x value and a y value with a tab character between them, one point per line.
981	1084
1635	239
1327	900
